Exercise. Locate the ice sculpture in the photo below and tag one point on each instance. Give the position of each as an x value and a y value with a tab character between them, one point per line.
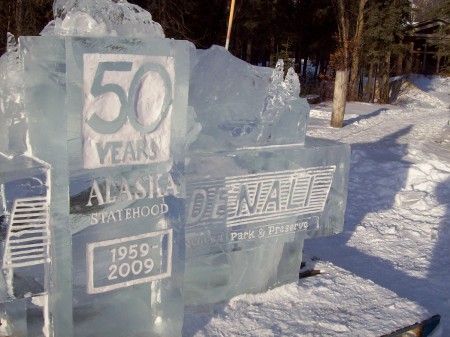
133	166
256	187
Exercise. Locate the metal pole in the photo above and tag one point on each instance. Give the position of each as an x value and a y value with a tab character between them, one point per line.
230	23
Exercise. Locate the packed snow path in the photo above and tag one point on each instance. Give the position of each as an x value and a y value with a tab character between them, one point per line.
391	266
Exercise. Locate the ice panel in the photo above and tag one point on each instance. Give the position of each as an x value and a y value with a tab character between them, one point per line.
128	254
127	102
248	213
124	179
242	106
44	100
127	108
25	235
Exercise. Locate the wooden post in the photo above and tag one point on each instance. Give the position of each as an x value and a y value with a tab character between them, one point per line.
230	23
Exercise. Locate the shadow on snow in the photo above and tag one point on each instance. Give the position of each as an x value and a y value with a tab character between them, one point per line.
374	182
364	117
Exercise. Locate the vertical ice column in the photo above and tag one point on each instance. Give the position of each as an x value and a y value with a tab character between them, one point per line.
44	101
12	99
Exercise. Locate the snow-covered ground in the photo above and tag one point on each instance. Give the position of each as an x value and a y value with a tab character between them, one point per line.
391	265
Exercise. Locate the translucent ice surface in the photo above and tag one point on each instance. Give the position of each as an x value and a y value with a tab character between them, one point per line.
256	186
24	244
116	111
101	18
146	174
243	106
4	141
12	114
248	213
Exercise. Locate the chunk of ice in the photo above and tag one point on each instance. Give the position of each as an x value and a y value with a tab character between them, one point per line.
97	18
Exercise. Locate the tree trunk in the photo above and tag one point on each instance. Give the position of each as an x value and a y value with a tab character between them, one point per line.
9	25
342	73
376	85
409	60
297	61
273	51
384	89
316	69
425	52
19	18
438	63
399	65
353	89
343	29
324	66
339	98
305	66
249	51
361	83
369	83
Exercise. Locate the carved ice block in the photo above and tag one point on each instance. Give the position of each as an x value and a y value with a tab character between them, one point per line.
25	244
115	111
242	106
248	213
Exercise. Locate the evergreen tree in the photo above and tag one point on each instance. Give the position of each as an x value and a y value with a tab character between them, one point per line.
316	29
441	10
388	22
201	22
251	35
430	9
23	17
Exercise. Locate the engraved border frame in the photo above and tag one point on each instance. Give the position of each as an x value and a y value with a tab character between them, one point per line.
90	262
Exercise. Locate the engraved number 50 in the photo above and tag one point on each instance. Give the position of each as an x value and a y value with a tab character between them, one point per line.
128	103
